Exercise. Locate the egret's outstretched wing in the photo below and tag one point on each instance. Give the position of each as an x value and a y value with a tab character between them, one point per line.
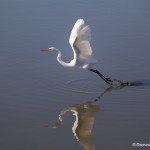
75	30
80	40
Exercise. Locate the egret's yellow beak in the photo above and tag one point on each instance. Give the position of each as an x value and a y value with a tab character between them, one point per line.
45	49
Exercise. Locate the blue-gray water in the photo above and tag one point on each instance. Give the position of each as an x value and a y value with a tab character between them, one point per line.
35	89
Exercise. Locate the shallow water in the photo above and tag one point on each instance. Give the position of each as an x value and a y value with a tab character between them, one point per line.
35	91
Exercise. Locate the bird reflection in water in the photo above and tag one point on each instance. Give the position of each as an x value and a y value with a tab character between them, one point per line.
83	124
84	119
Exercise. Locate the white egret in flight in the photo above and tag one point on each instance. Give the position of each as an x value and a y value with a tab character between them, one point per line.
80	43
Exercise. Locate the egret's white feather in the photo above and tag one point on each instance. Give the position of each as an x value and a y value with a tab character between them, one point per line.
82	45
84	33
76	28
80	42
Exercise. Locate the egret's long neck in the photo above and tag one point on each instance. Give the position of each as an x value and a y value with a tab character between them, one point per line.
60	60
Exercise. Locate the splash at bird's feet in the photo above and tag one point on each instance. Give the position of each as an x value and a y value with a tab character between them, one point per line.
122	83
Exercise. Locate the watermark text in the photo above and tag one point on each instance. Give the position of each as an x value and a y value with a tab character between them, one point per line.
141	144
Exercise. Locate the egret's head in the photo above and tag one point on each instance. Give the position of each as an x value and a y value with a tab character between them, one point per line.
48	49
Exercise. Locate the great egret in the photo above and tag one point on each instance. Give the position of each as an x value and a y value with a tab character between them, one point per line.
80	43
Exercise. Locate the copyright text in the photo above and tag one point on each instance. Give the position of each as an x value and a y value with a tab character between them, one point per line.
141	144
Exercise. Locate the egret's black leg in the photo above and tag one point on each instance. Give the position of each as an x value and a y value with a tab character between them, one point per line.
107	80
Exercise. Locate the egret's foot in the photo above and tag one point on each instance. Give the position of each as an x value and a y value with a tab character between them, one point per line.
108	81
